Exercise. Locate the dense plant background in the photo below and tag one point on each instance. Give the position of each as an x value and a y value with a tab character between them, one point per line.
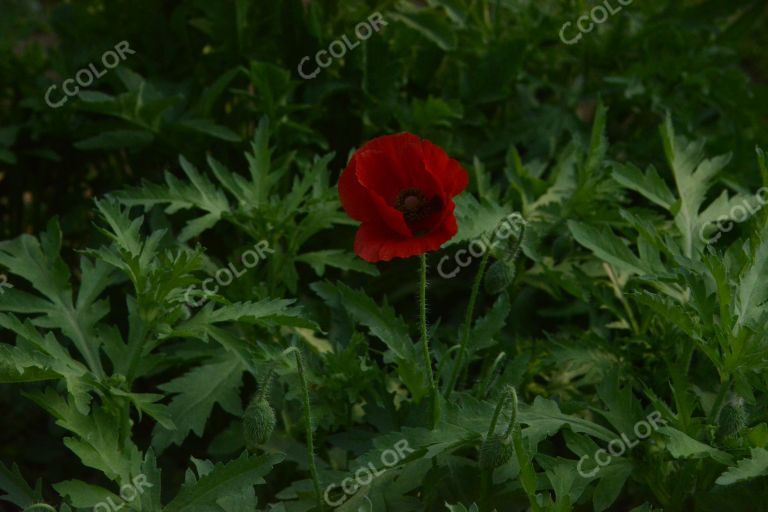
621	152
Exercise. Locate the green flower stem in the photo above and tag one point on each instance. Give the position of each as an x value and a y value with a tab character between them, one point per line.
425	342
264	390
467	326
308	421
512	396
485	382
485	474
725	386
496	414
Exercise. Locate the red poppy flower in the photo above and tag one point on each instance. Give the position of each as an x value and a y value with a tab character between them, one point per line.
401	188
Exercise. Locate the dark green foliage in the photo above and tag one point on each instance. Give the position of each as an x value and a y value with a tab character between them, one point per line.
633	293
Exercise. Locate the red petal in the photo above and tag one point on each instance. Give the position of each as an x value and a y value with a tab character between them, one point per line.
354	197
387	173
376	242
446	170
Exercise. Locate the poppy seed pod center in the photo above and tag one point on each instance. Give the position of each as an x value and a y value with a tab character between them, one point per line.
415	207
412	202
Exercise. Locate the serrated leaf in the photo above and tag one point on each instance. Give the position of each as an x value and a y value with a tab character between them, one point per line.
82	494
98	444
337	258
384	323
197	392
752	293
754	466
484	330
649	184
222	480
693	176
681	445
607	247
16	489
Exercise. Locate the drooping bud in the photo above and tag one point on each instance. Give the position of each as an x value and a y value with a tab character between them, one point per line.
258	423
508	238
733	418
495	451
499	276
259	417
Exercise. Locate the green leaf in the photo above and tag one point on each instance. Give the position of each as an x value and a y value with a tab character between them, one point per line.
208	127
16	489
197	392
99	443
116	139
259	162
475	218
85	495
39	263
199	193
147	403
430	24
18	365
607	247
680	445
484	330
752	293
336	258
612	480
754	466
693	177
544	419
384	323
223	480
598	145
650	184
264	312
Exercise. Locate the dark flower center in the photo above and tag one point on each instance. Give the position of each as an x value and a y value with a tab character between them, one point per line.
417	209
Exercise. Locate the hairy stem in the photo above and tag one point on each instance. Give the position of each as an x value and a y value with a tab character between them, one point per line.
425	342
308	422
496	414
264	390
467	326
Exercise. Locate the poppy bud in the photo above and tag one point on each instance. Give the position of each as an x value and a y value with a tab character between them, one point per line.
733	418
258	423
498	276
508	237
495	451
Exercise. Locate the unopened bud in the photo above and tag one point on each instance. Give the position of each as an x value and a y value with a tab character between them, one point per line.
258	423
